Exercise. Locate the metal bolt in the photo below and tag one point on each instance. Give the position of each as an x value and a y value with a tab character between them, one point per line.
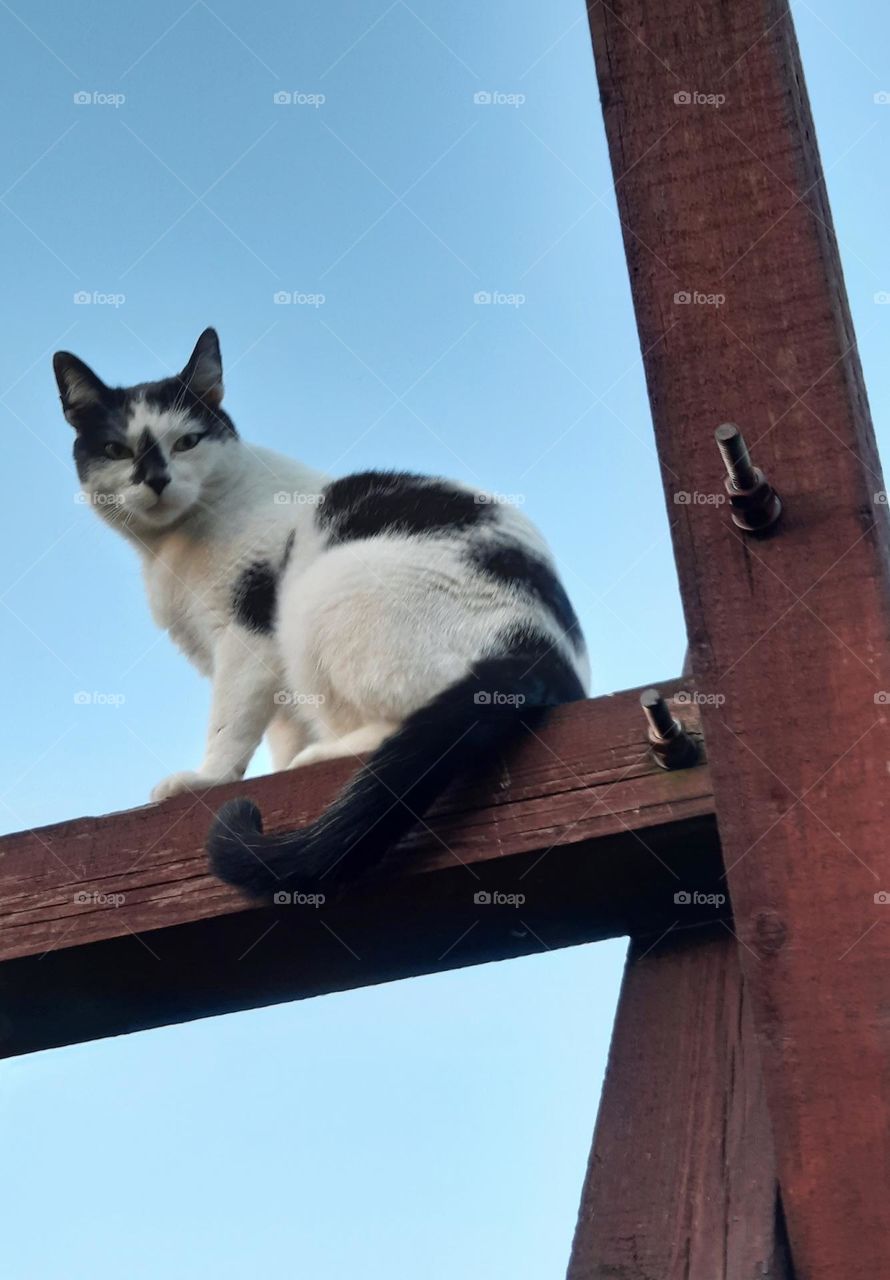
672	747
755	504
734	452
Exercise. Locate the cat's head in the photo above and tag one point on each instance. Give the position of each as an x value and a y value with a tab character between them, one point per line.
150	454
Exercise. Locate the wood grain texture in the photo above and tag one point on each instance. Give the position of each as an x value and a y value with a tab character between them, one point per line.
681	1183
110	924
727	200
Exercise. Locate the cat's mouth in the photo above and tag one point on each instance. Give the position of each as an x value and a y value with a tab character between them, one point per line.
161	502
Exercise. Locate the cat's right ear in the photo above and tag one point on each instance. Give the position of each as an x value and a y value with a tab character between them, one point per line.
79	388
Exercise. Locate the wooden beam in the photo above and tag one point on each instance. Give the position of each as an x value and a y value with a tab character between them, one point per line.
112	924
742	316
681	1183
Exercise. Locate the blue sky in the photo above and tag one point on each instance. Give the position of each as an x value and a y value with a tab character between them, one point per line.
441	1124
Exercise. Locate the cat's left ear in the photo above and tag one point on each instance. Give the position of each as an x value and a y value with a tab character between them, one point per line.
79	388
203	373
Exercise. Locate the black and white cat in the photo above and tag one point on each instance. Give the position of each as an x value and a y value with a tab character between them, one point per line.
403	615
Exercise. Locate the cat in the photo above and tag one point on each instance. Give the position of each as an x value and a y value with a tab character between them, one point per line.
408	616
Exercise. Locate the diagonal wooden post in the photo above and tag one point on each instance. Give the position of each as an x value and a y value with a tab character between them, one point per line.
742	316
681	1183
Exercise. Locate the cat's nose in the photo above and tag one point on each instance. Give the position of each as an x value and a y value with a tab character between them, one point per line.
158	483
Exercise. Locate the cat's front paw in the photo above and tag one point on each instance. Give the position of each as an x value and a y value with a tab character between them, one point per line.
181	783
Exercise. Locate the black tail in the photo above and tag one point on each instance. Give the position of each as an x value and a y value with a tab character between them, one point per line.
455	733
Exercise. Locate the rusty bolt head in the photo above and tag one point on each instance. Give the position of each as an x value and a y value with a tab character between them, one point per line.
755	509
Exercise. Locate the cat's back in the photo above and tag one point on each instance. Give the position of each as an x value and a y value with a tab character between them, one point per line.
418	562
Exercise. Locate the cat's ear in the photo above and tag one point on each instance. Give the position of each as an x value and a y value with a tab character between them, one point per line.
203	373
80	389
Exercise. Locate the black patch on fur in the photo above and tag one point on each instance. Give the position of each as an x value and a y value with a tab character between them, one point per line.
515	567
371	503
254	597
97	424
150	466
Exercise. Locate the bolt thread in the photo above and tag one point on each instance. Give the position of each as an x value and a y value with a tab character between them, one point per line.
736	458
657	713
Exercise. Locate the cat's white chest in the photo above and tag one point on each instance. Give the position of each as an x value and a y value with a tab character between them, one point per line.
185	602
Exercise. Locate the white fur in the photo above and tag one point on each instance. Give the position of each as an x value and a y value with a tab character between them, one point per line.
367	631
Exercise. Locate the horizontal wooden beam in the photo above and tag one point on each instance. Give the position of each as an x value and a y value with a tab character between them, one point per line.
112	924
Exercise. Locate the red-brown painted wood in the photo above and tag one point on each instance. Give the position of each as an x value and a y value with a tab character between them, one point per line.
722	196
112	924
681	1183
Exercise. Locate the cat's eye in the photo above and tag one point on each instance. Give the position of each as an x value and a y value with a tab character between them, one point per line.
184	443
117	451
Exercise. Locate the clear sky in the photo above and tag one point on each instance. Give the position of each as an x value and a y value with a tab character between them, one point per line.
439	1126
